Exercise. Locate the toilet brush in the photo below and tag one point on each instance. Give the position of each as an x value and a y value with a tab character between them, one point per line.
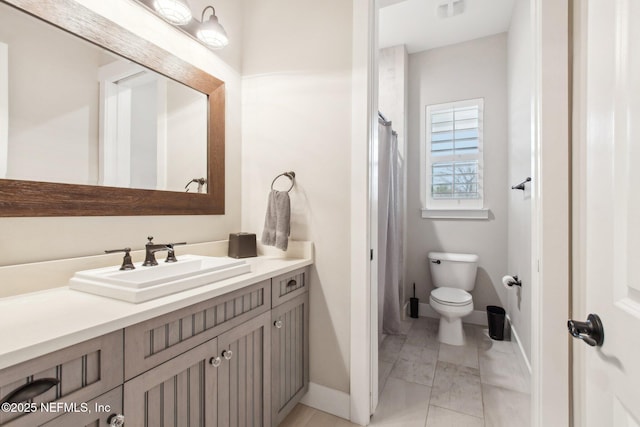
413	304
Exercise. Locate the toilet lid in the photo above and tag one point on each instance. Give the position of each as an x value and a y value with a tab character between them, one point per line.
451	296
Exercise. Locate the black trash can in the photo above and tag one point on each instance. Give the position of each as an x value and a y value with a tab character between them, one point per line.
495	318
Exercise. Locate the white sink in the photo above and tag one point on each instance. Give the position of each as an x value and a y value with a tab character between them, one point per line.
146	283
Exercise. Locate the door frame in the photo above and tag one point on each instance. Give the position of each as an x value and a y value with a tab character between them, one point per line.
579	137
551	233
551	214
364	119
373	163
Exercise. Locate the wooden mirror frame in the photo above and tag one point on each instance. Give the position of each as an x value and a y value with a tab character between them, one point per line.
36	199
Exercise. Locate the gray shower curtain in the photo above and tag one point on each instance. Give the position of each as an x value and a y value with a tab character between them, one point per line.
390	215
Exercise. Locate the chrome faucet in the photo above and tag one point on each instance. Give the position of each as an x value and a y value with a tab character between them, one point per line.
151	249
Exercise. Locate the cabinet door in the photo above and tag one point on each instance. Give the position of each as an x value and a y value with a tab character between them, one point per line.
244	375
290	355
100	410
180	392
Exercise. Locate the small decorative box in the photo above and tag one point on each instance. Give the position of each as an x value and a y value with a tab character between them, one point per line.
242	245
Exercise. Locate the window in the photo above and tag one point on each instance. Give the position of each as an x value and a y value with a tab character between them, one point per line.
452	166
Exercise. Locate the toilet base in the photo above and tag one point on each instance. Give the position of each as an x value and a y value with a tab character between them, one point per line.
450	331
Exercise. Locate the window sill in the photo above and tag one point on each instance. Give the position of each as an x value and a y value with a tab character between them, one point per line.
455	213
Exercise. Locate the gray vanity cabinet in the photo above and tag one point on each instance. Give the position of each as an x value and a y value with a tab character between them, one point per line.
238	359
181	391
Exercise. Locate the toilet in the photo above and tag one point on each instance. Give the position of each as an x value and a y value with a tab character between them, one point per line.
453	276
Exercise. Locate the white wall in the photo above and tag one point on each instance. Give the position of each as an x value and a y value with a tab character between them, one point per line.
475	69
520	63
53	102
37	239
297	116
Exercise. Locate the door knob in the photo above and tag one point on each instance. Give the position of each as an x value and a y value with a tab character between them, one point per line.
590	331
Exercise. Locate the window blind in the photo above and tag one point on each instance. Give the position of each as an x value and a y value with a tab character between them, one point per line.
454	148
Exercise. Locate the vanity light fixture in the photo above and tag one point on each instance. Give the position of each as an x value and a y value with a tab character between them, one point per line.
176	12
211	32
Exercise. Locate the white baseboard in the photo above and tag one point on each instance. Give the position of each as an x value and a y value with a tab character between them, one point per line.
477	317
514	334
328	400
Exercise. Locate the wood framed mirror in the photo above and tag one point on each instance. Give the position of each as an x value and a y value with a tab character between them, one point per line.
27	198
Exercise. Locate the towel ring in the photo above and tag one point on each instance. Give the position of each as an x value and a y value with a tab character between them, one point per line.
290	175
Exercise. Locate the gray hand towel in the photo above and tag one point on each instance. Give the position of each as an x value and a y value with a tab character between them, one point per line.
277	222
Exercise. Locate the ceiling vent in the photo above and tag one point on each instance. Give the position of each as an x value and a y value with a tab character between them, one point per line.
449	8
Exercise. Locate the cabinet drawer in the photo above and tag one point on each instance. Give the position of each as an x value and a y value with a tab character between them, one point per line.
150	343
289	286
102	408
84	371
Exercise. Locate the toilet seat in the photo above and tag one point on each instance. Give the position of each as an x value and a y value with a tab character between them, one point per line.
451	296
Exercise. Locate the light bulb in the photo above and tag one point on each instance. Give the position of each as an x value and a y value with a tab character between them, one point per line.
177	12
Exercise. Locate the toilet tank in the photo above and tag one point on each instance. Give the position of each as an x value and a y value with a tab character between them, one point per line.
453	270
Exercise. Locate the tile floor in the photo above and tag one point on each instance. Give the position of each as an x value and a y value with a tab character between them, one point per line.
427	384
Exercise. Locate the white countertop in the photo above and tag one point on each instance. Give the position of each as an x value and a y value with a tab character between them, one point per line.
38	323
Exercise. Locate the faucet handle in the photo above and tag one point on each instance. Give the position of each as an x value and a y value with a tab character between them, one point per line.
171	255
127	264
150	240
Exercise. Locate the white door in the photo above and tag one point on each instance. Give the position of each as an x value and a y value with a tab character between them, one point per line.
607	211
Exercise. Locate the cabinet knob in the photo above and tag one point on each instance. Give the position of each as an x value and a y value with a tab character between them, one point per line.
215	361
116	420
278	324
227	354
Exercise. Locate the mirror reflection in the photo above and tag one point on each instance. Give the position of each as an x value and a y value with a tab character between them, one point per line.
72	112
